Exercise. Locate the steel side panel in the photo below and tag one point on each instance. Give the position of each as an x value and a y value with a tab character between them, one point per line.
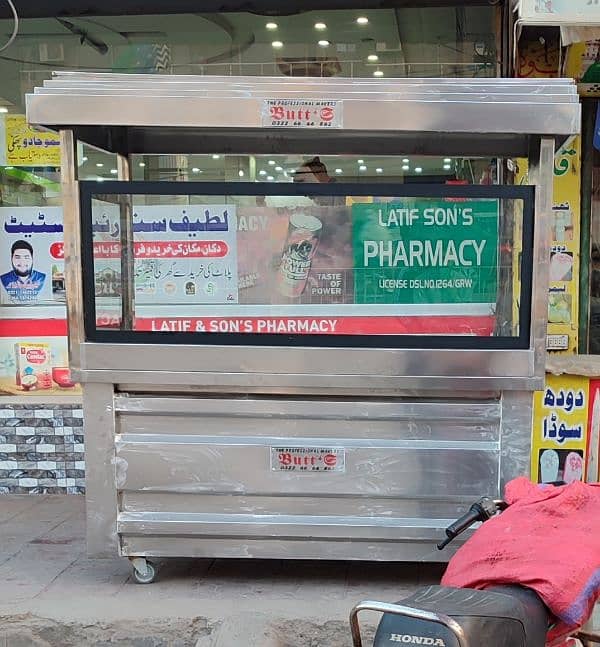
197	472
385	551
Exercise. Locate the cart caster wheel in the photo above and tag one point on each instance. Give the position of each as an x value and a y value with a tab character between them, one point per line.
146	577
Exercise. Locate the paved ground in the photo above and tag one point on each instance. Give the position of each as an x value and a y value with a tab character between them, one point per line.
52	595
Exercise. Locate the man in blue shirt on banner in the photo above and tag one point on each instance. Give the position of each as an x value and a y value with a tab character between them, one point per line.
23	284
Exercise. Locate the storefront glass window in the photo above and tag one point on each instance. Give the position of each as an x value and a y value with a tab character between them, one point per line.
385	43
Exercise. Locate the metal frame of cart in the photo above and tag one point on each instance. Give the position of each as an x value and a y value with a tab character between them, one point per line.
180	428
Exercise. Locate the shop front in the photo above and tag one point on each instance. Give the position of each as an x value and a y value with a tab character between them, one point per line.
40	405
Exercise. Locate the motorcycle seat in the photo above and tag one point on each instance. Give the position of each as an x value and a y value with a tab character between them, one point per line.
508	616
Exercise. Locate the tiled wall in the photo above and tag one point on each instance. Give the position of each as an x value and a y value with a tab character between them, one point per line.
41	449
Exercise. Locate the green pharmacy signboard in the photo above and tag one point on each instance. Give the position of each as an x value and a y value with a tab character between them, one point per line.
421	251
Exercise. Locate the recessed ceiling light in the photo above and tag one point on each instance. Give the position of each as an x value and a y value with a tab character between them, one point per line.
338	171
113	171
406	167
262	172
418	170
447	167
271	162
378	73
320	26
99	164
142	164
372	58
447	160
279	169
271	26
406	161
378	170
3	109
216	157
324	43
84	159
99	179
241	173
270	178
195	170
362	167
360	161
362	20
277	44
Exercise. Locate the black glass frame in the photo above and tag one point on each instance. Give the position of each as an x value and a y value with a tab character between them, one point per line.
91	189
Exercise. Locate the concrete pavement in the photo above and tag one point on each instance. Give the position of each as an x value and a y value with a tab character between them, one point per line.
53	595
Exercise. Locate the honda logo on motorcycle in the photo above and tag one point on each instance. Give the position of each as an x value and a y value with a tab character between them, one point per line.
417	640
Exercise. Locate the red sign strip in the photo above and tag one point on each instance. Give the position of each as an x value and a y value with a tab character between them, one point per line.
33	328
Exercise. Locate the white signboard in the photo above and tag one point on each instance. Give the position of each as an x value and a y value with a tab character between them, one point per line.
185	255
302	113
308	459
560	12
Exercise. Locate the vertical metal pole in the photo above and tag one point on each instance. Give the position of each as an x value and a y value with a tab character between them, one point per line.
541	174
587	174
127	256
72	245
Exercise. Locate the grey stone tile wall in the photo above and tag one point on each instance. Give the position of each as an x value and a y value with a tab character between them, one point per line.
41	449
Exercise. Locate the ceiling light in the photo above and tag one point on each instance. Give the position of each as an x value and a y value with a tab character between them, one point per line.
362	20
378	170
3	109
324	43
320	26
362	167
99	164
271	162
113	171
277	44
372	58
262	172
406	167
271	26
84	159
360	161
338	171
418	170
378	73
406	161
241	173
99	179
216	157
278	169
447	160
270	178
142	164
447	167
195	170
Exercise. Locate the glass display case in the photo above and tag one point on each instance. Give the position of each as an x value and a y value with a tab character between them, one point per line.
303	368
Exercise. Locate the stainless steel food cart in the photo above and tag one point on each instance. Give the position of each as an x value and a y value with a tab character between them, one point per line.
231	432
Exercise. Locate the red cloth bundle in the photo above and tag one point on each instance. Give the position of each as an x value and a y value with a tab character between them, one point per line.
547	540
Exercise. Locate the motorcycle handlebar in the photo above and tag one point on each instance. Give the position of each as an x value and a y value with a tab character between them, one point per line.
483	510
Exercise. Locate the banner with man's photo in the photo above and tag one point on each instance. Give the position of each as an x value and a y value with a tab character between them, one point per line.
32	270
33	327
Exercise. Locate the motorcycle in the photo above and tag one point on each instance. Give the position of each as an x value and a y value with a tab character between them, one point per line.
440	616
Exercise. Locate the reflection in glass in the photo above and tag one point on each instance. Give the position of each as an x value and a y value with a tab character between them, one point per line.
321	264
